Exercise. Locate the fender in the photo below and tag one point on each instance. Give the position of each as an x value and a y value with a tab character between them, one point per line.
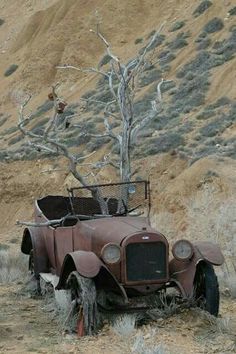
85	263
183	272
210	252
33	240
89	265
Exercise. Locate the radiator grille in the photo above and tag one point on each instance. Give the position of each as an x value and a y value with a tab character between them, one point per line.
146	261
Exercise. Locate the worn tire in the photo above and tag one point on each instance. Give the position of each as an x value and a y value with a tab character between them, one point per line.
206	289
34	280
83	295
31	263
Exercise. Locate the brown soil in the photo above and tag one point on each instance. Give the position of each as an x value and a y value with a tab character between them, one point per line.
26	327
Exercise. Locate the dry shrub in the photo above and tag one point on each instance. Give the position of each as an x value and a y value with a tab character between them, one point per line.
231	284
221	325
227	281
57	303
13	267
140	347
211	219
208	218
12	68
124	325
163	305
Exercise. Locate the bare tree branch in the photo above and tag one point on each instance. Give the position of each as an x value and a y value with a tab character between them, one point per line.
141	124
103	163
143	55
34	224
85	70
97	135
158	99
122	80
109	52
60	149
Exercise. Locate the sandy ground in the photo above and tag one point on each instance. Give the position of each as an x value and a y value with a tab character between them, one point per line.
26	327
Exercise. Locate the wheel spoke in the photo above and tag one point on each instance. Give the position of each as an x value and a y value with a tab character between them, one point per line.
84	309
80	323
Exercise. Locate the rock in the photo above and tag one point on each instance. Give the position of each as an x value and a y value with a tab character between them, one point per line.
20	337
8	329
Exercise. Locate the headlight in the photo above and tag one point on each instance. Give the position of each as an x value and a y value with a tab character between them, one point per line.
111	253
182	250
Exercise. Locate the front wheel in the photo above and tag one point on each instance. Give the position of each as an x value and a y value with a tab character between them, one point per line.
206	289
83	304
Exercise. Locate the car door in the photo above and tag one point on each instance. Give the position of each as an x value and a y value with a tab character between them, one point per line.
63	239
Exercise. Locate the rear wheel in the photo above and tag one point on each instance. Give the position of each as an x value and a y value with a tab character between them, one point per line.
31	262
33	279
83	304
206	289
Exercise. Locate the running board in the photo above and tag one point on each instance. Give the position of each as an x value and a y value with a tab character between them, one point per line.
48	283
49	278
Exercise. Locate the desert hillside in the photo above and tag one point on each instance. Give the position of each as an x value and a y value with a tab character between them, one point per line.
188	151
195	52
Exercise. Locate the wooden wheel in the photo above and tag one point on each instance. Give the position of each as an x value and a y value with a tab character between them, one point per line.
83	304
35	280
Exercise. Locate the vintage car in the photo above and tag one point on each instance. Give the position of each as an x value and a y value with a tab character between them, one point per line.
100	246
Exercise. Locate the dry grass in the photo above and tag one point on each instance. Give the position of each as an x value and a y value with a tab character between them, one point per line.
207	218
231	282
211	219
165	305
221	325
140	347
164	223
227	281
58	305
124	325
13	267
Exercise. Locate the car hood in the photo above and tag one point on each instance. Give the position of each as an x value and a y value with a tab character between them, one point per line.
115	229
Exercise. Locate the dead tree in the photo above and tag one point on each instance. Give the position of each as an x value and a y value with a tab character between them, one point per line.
123	83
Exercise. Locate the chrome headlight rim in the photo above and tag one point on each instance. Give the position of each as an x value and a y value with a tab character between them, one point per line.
182	243
106	249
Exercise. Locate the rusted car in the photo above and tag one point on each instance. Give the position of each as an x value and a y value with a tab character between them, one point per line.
115	260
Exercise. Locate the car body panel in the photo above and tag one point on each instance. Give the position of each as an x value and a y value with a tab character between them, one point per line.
184	272
210	252
64	243
33	240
